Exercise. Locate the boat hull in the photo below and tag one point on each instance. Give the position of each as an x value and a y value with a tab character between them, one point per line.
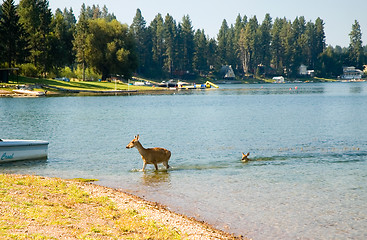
17	150
29	92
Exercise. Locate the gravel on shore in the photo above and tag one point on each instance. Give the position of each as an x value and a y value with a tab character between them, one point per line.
53	208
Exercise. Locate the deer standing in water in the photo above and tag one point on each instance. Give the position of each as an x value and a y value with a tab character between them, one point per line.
151	155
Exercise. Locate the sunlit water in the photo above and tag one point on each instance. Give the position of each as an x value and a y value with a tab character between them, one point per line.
309	146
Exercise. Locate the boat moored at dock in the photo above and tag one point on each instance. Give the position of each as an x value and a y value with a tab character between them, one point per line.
16	150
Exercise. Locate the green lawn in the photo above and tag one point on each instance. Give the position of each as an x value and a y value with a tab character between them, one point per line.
76	85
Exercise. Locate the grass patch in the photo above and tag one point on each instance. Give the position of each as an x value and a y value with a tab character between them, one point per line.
76	85
326	79
84	180
33	207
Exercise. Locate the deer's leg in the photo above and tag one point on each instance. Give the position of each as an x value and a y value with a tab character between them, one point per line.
156	166
143	169
166	165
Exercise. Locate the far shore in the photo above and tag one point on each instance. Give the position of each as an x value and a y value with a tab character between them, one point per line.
55	87
11	94
45	208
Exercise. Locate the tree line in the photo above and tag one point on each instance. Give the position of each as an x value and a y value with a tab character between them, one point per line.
98	45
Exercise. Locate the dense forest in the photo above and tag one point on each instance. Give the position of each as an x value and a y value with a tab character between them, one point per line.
96	45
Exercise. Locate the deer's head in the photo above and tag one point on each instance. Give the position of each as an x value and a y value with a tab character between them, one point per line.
133	142
244	157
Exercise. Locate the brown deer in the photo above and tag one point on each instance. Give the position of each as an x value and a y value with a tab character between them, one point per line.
245	157
151	155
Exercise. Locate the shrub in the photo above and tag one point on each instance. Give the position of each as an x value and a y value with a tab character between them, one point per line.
67	72
29	70
89	74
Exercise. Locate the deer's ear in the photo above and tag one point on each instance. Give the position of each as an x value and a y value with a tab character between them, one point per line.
248	154
137	137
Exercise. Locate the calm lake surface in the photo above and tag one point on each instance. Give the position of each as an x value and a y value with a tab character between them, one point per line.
308	179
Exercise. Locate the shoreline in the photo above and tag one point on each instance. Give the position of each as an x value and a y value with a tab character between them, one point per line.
194	228
81	93
186	227
61	91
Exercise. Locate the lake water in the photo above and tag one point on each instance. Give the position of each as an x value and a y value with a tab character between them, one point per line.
308	179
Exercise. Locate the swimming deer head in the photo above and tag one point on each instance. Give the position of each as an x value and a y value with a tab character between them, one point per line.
244	157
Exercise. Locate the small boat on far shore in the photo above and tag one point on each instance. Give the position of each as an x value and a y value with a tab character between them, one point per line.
16	150
29	92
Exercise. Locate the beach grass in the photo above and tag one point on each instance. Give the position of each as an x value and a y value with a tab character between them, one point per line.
84	179
33	207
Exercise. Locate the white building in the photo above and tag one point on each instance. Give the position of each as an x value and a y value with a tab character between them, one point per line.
303	70
350	73
279	79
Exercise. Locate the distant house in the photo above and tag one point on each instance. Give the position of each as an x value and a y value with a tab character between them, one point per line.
279	79
351	73
227	72
302	70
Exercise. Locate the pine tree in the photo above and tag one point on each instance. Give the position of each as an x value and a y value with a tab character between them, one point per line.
298	58
70	22
96	12
276	49
355	50
80	35
106	15
156	29
231	53
212	55
319	42
170	44
36	17
238	27
264	41
63	29
287	39
139	30
12	34
222	42
306	43
187	38
249	46
320	36
200	60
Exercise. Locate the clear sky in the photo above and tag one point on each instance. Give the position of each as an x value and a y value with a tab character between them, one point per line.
338	15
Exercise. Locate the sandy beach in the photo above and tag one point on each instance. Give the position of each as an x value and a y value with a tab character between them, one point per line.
35	192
